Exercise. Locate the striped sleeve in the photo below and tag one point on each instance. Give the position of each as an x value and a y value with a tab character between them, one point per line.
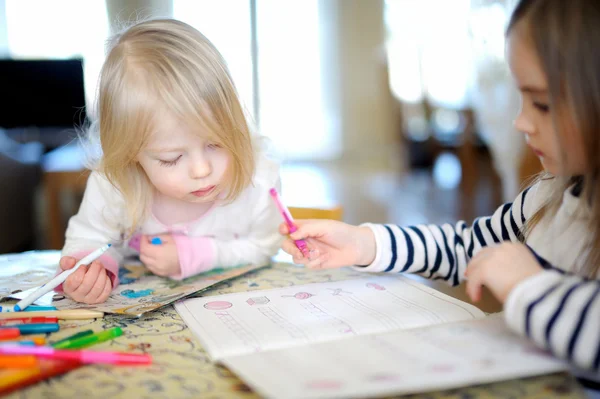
442	252
560	313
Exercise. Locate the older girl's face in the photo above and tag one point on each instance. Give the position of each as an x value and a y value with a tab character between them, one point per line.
562	156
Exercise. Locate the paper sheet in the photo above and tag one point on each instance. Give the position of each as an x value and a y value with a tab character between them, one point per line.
234	324
402	362
139	292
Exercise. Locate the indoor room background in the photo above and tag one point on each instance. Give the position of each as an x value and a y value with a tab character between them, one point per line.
398	111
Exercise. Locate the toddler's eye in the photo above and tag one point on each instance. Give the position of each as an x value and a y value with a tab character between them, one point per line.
213	146
172	162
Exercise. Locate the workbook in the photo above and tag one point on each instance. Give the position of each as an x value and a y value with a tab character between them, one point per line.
374	336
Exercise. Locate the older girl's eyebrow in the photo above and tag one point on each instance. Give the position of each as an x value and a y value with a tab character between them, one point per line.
533	89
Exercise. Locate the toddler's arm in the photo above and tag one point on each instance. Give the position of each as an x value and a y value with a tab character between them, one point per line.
97	223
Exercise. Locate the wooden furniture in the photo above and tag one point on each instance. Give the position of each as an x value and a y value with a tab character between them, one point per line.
182	369
63	173
333	213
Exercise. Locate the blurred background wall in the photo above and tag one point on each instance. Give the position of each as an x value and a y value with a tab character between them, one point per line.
398	110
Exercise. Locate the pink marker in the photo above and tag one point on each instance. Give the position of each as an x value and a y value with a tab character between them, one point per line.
82	356
301	244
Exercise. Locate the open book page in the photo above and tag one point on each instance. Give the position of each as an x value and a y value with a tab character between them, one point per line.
240	323
401	362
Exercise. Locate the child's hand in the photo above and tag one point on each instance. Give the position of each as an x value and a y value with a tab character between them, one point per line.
332	244
500	268
89	284
161	259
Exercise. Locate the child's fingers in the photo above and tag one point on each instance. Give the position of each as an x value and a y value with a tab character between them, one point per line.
89	280
164	239
147	261
94	294
284	229
310	228
67	262
475	282
106	291
319	261
300	260
74	280
146	248
291	248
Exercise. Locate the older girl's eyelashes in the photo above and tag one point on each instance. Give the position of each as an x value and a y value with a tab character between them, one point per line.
542	107
172	162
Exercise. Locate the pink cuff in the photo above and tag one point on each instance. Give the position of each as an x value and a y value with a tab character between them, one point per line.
111	266
196	255
134	242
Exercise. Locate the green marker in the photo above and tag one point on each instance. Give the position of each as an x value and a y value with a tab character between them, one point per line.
89	340
74	336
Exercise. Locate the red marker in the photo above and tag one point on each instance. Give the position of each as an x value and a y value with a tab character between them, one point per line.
9	333
28	320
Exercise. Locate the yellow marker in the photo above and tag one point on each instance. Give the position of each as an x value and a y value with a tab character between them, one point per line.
72	314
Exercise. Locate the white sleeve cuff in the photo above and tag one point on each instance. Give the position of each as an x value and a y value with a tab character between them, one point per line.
383	256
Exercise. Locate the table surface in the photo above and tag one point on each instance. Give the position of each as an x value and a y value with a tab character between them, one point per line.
182	369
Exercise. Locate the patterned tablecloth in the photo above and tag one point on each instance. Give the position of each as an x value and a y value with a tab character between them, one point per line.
182	369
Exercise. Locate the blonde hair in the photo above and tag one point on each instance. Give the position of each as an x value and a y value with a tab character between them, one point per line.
166	64
565	38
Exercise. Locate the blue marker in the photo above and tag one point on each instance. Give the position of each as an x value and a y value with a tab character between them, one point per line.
26	343
36	308
156	241
40	328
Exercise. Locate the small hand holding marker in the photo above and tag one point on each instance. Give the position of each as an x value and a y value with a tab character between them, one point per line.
287	217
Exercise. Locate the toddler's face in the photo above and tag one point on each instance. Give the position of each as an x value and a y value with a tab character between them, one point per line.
560	157
183	165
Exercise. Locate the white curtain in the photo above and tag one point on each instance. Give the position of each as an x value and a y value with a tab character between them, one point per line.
3	33
288	64
227	24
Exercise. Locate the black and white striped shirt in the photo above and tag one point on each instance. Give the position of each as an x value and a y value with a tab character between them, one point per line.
557	309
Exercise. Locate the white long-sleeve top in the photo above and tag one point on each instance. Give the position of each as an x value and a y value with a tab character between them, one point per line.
557	309
244	231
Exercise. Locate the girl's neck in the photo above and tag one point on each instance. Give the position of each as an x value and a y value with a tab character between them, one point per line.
170	211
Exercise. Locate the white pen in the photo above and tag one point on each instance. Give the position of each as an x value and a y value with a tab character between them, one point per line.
56	281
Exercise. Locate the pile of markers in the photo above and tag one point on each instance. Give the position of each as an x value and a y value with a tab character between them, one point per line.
17	350
26	319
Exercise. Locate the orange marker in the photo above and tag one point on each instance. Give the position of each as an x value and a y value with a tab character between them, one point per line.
17	362
9	333
37	340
